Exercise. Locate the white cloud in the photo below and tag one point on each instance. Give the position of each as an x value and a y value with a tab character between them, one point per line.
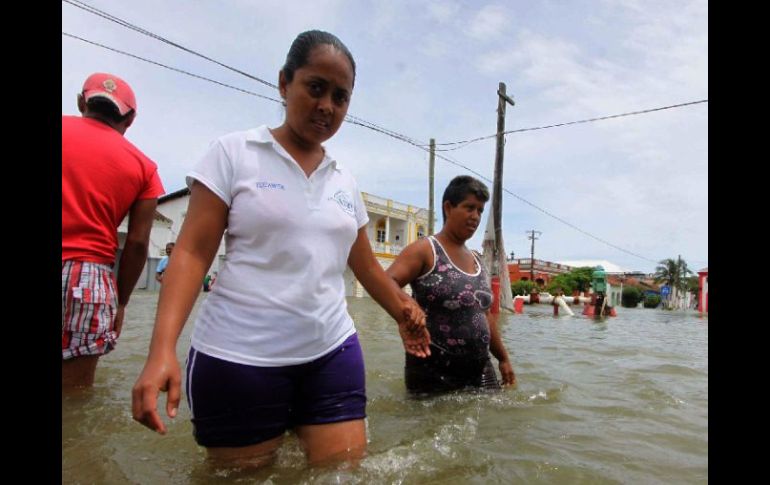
442	11
434	47
489	23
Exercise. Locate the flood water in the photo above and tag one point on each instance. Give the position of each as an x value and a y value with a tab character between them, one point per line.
624	400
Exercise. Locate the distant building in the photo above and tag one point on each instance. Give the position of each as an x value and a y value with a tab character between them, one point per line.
172	208
392	225
616	283
160	234
544	271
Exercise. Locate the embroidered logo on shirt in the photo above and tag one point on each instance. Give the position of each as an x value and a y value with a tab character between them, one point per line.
270	185
343	200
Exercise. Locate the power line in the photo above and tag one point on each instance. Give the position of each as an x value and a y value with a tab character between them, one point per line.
465	143
459	164
101	13
368	124
129	25
171	68
545	211
349	118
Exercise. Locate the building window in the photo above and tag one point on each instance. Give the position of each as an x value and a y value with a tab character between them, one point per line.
380	231
420	232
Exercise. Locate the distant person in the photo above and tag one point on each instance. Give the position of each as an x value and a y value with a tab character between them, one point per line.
452	286
207	283
602	308
163	263
104	178
274	348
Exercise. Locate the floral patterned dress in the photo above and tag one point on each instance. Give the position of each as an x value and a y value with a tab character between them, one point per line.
455	303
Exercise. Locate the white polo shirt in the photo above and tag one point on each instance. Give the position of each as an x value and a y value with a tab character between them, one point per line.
280	296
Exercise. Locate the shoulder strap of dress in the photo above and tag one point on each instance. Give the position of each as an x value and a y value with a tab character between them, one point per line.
438	249
479	260
433	247
432	242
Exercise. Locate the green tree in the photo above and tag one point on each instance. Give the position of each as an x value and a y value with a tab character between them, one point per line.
522	287
631	297
651	301
565	282
673	272
582	277
693	284
578	279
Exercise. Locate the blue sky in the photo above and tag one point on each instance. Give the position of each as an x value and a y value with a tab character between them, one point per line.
431	69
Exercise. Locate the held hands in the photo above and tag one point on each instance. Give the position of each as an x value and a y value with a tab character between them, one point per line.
506	371
159	374
416	342
414	334
413	316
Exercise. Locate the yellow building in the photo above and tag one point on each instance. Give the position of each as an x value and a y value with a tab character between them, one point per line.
392	225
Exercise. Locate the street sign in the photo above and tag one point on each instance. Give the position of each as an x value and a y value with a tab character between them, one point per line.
665	290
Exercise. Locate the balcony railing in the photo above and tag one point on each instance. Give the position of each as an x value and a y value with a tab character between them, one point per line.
374	200
383	248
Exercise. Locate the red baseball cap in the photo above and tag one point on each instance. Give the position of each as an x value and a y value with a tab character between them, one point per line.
101	84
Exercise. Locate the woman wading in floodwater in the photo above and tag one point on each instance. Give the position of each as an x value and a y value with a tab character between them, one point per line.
274	347
453	288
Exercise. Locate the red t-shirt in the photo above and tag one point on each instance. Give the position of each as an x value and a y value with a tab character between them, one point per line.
103	174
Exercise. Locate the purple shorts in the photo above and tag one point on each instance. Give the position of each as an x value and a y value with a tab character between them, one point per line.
236	405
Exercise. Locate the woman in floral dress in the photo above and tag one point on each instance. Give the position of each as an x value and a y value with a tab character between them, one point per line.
453	288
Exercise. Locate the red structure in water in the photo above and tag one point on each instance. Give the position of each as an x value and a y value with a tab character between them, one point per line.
703	290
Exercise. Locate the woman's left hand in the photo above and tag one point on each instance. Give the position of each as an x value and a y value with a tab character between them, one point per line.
416	342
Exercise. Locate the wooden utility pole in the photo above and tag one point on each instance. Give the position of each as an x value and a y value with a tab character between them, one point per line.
431	213
532	255
500	265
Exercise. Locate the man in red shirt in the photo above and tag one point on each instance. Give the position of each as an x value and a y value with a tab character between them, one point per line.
104	178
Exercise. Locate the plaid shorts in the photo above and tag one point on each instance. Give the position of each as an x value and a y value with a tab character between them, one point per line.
88	308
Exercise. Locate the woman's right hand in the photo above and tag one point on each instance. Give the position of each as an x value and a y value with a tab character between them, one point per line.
413	315
160	373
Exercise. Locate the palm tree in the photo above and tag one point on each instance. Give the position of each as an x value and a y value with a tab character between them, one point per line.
666	272
674	273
